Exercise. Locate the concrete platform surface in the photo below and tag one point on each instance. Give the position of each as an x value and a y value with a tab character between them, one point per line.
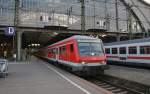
132	74
38	77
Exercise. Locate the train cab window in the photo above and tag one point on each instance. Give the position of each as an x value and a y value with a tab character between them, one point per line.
107	50
132	50
122	50
114	51
144	49
90	49
71	47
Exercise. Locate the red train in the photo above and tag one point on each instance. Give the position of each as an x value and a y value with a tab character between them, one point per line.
80	53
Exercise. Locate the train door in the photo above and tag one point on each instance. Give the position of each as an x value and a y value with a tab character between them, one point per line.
67	52
57	54
72	55
123	54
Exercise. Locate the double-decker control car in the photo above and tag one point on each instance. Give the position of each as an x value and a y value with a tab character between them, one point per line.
80	53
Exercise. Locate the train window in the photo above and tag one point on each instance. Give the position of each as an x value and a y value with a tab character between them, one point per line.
41	18
50	51
114	51
63	49
107	50
56	50
132	50
60	51
71	47
122	50
49	18
144	49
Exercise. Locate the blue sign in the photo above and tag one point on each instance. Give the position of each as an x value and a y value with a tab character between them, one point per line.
10	31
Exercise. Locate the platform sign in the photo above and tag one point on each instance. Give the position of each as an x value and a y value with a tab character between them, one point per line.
10	31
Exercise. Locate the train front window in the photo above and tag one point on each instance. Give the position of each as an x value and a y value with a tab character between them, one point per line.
90	49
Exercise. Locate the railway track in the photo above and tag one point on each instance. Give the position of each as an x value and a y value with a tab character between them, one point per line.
114	84
118	86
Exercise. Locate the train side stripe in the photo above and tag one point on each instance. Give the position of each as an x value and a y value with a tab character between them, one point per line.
112	56
136	57
131	57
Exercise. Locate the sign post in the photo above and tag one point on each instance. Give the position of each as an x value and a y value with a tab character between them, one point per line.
10	31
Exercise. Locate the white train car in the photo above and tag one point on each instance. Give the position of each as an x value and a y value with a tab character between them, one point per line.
131	52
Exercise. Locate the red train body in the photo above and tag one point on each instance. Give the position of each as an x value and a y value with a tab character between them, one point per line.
79	53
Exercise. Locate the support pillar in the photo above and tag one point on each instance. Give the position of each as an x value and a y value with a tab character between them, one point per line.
19	40
82	15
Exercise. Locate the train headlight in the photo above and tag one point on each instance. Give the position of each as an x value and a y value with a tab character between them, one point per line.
83	62
103	62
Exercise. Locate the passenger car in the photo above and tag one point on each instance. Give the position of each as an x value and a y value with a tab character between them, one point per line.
132	52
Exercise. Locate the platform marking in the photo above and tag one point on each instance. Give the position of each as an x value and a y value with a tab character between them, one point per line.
70	81
16	63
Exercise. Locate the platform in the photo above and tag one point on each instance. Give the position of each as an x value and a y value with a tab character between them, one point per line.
129	73
38	77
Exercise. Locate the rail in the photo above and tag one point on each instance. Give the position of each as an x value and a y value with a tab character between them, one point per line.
118	85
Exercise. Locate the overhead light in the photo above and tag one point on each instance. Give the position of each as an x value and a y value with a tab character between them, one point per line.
36	44
5	44
55	33
104	35
2	45
147	1
32	44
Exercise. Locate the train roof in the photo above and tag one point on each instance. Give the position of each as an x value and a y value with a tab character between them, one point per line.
80	37
77	37
63	36
128	42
